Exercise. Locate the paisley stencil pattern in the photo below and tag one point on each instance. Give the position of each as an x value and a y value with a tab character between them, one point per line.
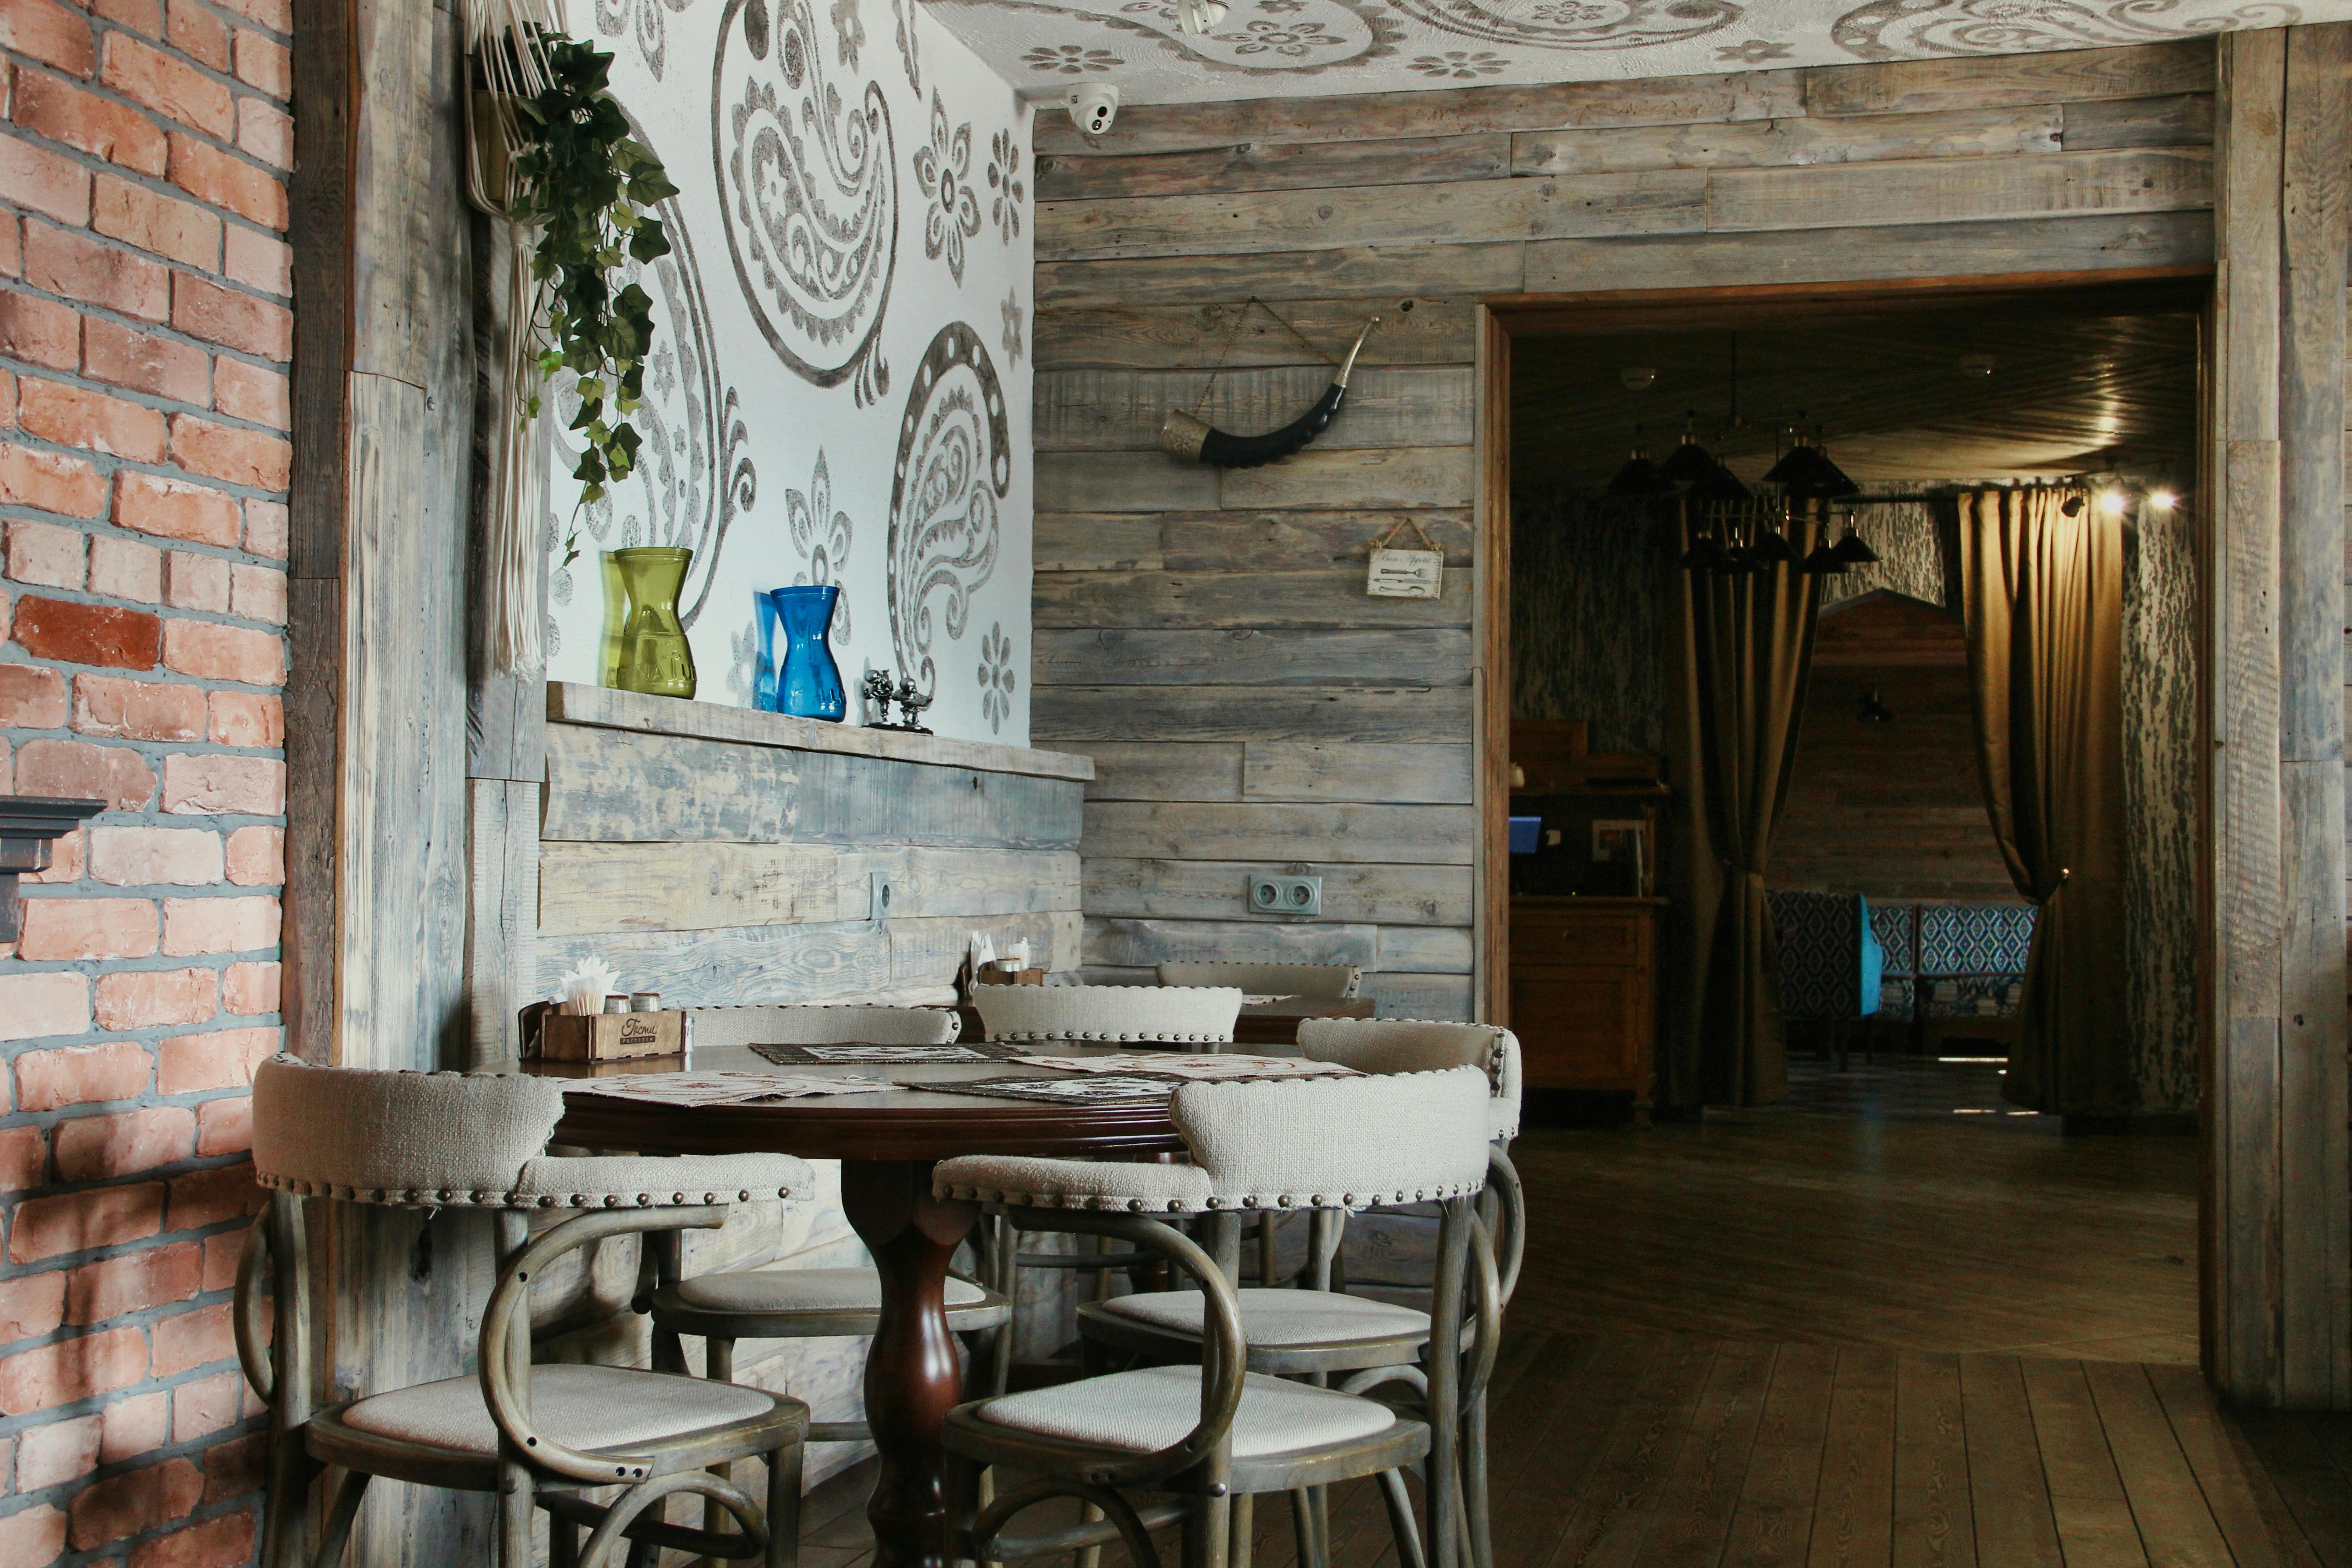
1908	29
695	474
1341	34
822	535
955	463
808	190
943	173
645	25
996	678
1575	24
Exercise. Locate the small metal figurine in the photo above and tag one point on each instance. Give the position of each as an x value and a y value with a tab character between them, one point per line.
876	688
912	703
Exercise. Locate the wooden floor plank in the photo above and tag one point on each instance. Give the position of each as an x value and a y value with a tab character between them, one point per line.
2098	1533
2175	1522
2245	1505
2306	1479
1933	1525
1853	1512
2075	1458
1693	1516
1537	1481
1612	1511
2008	1499
1773	1527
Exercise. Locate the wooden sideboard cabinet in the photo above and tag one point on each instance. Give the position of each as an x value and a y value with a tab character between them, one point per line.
1584	992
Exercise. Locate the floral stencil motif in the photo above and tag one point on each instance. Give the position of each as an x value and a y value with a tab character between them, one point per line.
1281	7
996	680
743	661
1460	64
1291	38
1011	338
943	170
1910	29
1576	24
1069	59
903	13
849	30
954	466
1754	52
1004	181
822	539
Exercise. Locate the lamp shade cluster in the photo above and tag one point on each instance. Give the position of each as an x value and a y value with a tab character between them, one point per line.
1739	530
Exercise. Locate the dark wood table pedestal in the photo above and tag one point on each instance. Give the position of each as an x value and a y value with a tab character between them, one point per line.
912	1375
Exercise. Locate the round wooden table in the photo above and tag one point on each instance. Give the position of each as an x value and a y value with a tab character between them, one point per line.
888	1144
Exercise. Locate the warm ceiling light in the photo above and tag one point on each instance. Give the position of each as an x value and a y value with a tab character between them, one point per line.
2112	502
2163	501
1637	377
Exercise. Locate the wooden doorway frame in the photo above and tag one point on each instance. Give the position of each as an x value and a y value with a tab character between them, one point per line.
2275	1192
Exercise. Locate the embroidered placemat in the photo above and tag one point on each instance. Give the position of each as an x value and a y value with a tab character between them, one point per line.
848	1052
1132	1090
1222	1067
693	1088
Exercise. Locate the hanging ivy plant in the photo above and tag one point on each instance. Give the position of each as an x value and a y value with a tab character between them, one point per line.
588	187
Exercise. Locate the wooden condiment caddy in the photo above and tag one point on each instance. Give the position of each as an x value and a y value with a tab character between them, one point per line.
611	1037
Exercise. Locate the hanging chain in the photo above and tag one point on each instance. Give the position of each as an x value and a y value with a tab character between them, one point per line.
1240	318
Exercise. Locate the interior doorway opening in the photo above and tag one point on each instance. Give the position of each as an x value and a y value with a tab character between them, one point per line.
1893	980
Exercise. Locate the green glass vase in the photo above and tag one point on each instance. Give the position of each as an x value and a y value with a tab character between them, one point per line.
654	658
616	616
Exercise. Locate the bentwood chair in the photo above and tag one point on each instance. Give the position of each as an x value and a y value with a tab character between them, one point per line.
797	1303
1316	1330
1316	982
540	1437
1203	1440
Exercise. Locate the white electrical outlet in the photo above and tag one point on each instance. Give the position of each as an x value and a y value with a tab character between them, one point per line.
1285	895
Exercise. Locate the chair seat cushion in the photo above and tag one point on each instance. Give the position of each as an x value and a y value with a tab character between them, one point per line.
1275	1317
586	1407
800	1291
1140	1412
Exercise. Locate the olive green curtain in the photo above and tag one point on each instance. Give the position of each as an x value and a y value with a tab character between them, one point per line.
2042	593
1739	653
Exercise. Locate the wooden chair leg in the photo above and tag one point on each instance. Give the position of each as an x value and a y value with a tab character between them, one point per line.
1474	1481
1401	1520
1206	1528
1269	1246
1311	1550
339	1515
784	1506
1090	1557
562	1544
517	1503
719	1365
1239	1537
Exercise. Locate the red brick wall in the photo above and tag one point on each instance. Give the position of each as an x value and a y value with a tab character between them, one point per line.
145	326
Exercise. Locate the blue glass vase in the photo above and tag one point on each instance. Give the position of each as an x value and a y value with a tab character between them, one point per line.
808	682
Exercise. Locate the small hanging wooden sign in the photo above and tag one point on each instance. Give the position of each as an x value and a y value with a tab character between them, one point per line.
1406	574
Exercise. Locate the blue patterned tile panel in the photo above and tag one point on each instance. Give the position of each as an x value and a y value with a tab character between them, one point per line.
1829	959
1895	996
1896	926
1974	939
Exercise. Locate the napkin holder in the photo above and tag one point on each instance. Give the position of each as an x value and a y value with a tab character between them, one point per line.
611	1037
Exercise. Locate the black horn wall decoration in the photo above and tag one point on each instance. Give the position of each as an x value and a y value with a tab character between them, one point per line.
1194	439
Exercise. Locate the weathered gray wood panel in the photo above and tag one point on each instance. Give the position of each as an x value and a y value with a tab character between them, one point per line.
1188	337
586	888
1442	997
2102	243
1170	600
807	963
1143	943
1122	411
1459	111
1429	655
1656	202
1397	835
1278	166
2185	119
1230	541
1358	770
501	912
1756	143
1122	481
1218	890
1912	87
1412	477
1853	195
619	787
1425	950
1357	271
1164	769
1085	713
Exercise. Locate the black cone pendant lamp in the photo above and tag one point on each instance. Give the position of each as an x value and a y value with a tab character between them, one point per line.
1806	473
1690	463
1639	478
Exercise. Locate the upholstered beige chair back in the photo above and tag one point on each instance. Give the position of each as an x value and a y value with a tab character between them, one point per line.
1348	1141
1314	981
1165	1015
412	1138
1417	1045
822	1026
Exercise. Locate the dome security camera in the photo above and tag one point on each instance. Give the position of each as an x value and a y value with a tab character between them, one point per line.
1093	106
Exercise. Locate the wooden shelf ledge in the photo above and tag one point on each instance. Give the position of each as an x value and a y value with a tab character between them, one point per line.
570	702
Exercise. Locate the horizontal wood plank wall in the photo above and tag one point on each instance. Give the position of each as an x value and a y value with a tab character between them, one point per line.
1206	635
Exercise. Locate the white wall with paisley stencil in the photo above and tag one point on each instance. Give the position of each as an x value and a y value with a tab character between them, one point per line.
839	390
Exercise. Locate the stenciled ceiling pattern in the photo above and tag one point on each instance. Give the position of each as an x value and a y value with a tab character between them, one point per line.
1269	48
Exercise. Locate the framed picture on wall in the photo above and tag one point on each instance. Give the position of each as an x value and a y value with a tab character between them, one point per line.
1623	846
